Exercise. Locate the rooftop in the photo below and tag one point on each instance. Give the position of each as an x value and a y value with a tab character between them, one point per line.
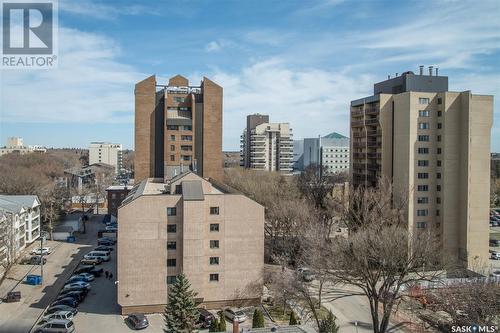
335	135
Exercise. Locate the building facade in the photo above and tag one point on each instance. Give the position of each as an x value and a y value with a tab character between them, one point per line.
107	153
19	224
434	145
330	151
116	194
189	225
16	145
267	146
178	127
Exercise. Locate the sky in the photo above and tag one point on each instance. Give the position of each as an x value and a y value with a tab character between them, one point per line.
298	61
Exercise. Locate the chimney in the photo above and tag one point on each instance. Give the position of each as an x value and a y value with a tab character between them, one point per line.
421	69
236	326
437	71
430	70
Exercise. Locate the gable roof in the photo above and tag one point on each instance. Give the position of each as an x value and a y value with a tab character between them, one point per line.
335	135
16	203
192	190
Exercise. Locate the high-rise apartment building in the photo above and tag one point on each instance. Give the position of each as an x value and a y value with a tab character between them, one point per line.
434	145
107	153
178	127
267	146
191	225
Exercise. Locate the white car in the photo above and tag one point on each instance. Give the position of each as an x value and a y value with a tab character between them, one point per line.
77	284
39	251
65	315
235	315
495	255
495	274
85	277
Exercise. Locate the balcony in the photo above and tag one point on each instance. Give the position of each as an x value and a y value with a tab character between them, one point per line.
372	111
373	167
359	155
373	121
356	113
374	133
361	166
361	144
357	123
374	155
359	134
374	144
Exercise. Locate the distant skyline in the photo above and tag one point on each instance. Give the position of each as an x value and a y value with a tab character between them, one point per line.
293	60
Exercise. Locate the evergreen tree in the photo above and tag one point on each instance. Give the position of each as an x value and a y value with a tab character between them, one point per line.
180	313
258	319
328	325
293	320
222	323
214	325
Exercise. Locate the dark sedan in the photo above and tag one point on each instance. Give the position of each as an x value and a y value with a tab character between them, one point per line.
84	291
137	321
76	294
69	301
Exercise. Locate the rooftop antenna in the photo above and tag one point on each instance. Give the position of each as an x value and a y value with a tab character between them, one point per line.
421	69
430	70
437	71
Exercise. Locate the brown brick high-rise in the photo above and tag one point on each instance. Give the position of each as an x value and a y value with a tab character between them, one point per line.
178	127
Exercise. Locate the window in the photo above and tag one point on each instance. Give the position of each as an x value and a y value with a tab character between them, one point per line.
171	279
171	262
186	158
423	150
423	175
214	260
214	226
423	100
440	113
438	175
422	200
172	138
172	147
438	163
172	157
422	188
439	150
171	228
423	138
214	244
437	212
187	148
171	245
438	200
438	188
423	163
214	277
172	127
171	211
421	225
440	100
214	210
423	125
179	99
439	138
178	189
186	138
439	126
422	212
423	113
188	127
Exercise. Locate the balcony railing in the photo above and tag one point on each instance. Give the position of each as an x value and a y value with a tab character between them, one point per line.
360	134
372	111
373	121
357	123
374	144
359	155
373	167
374	132
359	144
374	155
356	113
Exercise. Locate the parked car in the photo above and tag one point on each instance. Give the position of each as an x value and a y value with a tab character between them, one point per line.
495	274
79	284
39	251
57	308
83	269
96	254
86	277
235	315
67	315
104	248
495	255
494	242
137	321
33	260
206	318
57	326
69	301
111	229
82	290
96	271
105	242
92	261
77	298
112	224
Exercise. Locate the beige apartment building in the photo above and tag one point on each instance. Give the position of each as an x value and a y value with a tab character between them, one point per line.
435	146
267	146
178	127
108	153
190	225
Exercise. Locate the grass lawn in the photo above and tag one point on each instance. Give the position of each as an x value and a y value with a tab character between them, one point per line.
276	312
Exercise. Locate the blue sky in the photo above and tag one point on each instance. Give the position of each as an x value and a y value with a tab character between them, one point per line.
298	61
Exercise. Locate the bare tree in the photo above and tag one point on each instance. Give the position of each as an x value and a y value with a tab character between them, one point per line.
8	242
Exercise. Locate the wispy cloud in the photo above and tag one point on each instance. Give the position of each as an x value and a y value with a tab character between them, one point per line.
102	10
